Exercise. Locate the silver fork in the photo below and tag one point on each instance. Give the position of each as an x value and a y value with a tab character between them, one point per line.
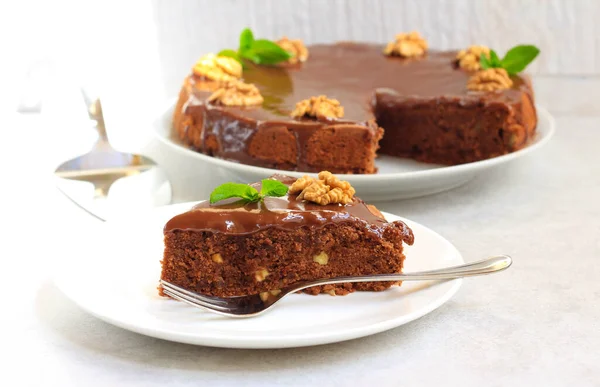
256	304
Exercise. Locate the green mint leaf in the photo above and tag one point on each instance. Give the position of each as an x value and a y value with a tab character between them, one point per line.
230	53
260	51
494	60
267	52
250	55
273	188
234	190
518	57
246	39
484	62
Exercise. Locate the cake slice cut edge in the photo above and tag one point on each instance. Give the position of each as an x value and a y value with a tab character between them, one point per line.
235	249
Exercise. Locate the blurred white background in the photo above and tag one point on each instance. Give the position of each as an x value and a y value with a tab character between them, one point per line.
134	54
152	44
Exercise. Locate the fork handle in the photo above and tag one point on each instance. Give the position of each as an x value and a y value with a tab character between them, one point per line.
485	266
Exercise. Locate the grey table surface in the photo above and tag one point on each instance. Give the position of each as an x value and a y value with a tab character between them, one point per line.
533	325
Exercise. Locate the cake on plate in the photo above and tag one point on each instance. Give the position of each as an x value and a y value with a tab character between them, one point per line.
283	230
337	106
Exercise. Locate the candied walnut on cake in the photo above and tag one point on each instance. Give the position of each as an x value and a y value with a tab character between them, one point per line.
236	93
327	189
319	107
407	45
296	47
490	80
218	68
469	59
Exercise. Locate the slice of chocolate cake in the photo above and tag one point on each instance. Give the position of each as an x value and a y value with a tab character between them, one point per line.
318	230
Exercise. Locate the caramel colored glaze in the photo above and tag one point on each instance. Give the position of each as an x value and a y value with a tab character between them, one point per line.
367	84
240	218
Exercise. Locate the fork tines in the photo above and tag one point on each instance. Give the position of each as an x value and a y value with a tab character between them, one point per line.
194	299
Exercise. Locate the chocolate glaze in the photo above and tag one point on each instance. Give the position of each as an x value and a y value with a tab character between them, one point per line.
288	212
356	74
234	126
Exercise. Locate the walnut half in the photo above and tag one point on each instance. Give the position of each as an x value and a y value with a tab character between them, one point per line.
300	184
236	93
319	107
218	68
295	47
469	59
407	45
489	80
327	189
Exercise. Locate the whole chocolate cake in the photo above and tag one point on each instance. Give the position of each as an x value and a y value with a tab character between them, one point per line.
427	107
318	230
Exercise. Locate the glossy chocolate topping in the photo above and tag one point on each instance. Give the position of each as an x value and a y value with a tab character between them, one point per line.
284	212
359	75
354	73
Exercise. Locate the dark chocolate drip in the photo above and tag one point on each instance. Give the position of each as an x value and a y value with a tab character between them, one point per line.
285	212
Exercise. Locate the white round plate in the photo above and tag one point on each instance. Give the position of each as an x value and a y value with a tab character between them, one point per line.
117	282
397	178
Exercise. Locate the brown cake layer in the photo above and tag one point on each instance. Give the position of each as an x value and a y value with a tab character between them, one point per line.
239	249
422	104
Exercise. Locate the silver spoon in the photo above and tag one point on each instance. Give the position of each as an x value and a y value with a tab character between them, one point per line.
256	304
144	183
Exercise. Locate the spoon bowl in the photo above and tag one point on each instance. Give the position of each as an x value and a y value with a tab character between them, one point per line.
106	182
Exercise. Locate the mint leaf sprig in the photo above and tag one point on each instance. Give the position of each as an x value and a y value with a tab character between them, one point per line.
515	60
259	51
248	193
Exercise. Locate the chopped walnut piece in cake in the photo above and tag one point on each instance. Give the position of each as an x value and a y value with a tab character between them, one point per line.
264	296
296	47
322	258
236	93
319	107
407	45
490	80
469	59
327	189
217	258
218	68
261	274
